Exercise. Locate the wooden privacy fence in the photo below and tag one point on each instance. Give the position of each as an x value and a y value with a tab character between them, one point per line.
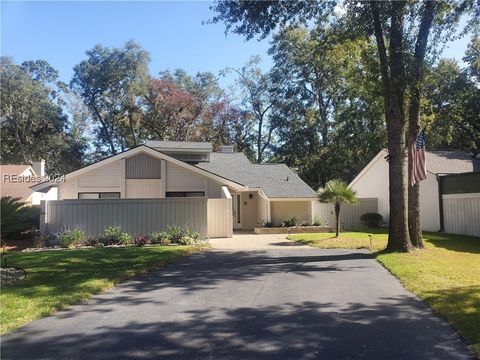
219	218
461	213
135	216
349	213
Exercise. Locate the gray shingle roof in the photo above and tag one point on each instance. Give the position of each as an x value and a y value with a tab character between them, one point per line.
276	180
179	145
451	162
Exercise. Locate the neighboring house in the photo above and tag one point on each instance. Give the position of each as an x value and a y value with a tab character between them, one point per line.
372	182
17	180
460	203
166	169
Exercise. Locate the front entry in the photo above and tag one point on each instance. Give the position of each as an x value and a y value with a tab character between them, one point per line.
237	211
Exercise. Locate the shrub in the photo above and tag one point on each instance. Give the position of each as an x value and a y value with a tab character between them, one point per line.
290	223
194	235
160	238
94	241
32	217
305	223
113	235
17	218
267	224
72	238
185	240
141	240
68	238
50	240
317	222
176	235
371	219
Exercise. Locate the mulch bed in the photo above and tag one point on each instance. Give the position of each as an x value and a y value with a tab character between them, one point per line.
18	245
293	230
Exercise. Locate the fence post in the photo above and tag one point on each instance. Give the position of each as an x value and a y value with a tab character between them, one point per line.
43	217
228	213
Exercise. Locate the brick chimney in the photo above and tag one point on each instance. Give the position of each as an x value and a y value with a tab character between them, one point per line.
39	167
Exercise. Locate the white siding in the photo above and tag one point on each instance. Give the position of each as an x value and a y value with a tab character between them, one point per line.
180	179
111	178
461	214
249	209
285	210
108	176
143	188
51	194
143	166
36	197
263	212
374	183
214	189
66	190
429	204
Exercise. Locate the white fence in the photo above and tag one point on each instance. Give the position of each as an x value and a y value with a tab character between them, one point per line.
220	220
349	213
135	216
461	214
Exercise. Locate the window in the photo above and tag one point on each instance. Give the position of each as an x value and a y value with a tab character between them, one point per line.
193	158
185	194
102	195
110	195
238	208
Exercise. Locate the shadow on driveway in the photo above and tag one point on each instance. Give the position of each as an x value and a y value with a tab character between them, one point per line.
247	305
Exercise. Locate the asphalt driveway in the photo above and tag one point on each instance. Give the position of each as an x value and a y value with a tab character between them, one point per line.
288	303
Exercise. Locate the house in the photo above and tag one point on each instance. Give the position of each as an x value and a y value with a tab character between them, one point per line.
176	170
460	203
17	180
372	182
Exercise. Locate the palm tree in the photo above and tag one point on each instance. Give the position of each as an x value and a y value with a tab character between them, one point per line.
16	217
337	192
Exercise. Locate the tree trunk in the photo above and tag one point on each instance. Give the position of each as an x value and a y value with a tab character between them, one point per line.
132	129
259	141
393	91
337	217
398	235
19	140
414	226
104	129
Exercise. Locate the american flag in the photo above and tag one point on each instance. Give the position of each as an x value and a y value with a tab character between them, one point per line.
419	168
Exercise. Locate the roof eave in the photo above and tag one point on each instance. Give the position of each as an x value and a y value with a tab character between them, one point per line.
367	167
158	154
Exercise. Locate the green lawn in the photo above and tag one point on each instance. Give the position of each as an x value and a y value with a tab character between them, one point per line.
56	279
446	274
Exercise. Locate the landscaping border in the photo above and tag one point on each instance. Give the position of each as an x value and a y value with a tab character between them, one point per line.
292	230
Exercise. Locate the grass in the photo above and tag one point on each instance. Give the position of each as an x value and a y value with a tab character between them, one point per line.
346	240
446	275
56	279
